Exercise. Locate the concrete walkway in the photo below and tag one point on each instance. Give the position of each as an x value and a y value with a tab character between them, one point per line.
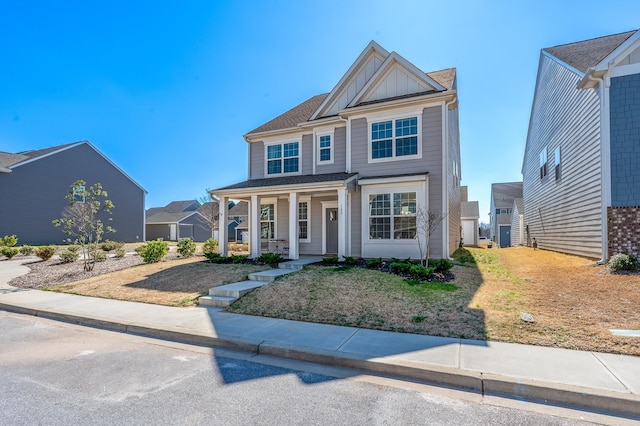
596	381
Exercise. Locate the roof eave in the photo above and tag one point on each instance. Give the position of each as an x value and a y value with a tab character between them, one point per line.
445	95
281	189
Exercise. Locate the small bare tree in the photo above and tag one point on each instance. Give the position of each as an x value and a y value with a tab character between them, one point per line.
209	210
427	221
82	219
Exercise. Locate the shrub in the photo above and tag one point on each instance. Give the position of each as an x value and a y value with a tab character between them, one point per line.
74	248
330	259
210	246
26	250
400	268
623	262
9	252
374	263
109	245
9	241
421	273
186	247
46	252
350	260
215	257
154	251
270	258
69	256
237	258
120	252
440	265
98	255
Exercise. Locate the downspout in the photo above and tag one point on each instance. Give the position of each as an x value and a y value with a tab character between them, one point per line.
605	159
445	189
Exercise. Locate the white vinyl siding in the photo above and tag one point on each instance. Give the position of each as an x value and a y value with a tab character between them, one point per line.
564	215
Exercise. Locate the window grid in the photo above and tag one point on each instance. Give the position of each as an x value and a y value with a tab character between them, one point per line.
325	148
267	222
283	158
404	211
303	220
404	139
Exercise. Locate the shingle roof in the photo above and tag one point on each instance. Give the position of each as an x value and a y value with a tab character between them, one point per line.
166	217
583	55
504	193
295	115
180	206
469	209
445	77
288	180
8	159
241	208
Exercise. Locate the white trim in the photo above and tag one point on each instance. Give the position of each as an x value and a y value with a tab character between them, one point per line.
264	201
317	149
326	205
396	115
254	226
397	179
343	214
282	143
294	239
445	178
619	53
500	233
622	70
305	199
348	146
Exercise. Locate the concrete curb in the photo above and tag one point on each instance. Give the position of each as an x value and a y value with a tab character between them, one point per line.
616	403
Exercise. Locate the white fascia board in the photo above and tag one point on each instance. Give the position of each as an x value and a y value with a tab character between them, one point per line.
429	100
31	160
372	47
384	69
397	179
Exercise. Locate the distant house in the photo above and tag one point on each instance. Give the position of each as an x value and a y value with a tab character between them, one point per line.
581	167
240	214
517	224
502	199
347	172
176	220
469	217
33	186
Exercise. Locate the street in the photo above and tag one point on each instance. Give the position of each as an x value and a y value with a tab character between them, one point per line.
54	373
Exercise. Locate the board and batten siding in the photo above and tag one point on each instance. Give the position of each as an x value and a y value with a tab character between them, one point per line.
34	194
563	215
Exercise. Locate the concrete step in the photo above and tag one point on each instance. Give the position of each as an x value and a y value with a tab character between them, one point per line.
269	275
218	301
237	290
298	263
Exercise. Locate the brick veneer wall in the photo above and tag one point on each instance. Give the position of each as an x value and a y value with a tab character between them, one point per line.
623	227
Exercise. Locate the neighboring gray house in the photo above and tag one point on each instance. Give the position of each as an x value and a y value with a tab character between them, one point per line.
581	166
469	217
517	224
33	186
240	213
502	198
347	172
176	220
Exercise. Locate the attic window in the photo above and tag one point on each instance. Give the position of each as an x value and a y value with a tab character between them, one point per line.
543	163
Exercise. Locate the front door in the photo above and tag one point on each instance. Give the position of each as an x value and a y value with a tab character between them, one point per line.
505	236
331	228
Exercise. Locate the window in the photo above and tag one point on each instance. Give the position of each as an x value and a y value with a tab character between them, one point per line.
503	211
543	163
283	158
303	221
556	155
394	138
78	193
398	223
267	221
325	149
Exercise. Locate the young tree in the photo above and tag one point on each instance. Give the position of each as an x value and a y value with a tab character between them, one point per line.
210	210
82	219
427	221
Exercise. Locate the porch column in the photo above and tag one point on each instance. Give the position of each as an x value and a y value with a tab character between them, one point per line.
293	226
343	215
254	226
223	229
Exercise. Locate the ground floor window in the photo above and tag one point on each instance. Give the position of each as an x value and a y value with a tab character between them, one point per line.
267	221
303	220
392	216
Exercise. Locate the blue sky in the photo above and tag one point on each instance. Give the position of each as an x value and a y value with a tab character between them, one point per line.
167	89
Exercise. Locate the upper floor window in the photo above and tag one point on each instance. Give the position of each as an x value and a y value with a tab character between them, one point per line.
503	211
556	155
325	149
395	138
283	158
543	163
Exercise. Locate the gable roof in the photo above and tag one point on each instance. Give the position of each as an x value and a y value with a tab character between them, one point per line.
154	217
503	194
359	86
241	208
469	209
181	206
9	161
583	55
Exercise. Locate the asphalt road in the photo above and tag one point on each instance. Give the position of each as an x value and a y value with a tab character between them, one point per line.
53	373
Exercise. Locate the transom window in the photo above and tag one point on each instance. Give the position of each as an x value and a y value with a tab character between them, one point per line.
267	221
394	138
392	216
283	158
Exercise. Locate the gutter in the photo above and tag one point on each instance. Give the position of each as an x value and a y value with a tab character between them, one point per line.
5	170
445	161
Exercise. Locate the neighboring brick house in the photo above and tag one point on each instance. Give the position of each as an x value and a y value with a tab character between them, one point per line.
347	172
502	199
581	167
34	184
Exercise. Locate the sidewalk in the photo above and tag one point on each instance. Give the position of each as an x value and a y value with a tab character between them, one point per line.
596	381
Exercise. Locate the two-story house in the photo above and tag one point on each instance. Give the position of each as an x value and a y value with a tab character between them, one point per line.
349	172
503	196
581	166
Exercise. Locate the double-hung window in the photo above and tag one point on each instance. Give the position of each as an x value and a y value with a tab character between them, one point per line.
283	158
394	138
392	216
325	149
543	163
303	221
556	155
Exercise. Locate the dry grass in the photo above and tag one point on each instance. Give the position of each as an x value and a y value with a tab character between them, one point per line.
174	283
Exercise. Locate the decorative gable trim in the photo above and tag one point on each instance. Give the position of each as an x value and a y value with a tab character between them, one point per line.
619	53
393	64
372	52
